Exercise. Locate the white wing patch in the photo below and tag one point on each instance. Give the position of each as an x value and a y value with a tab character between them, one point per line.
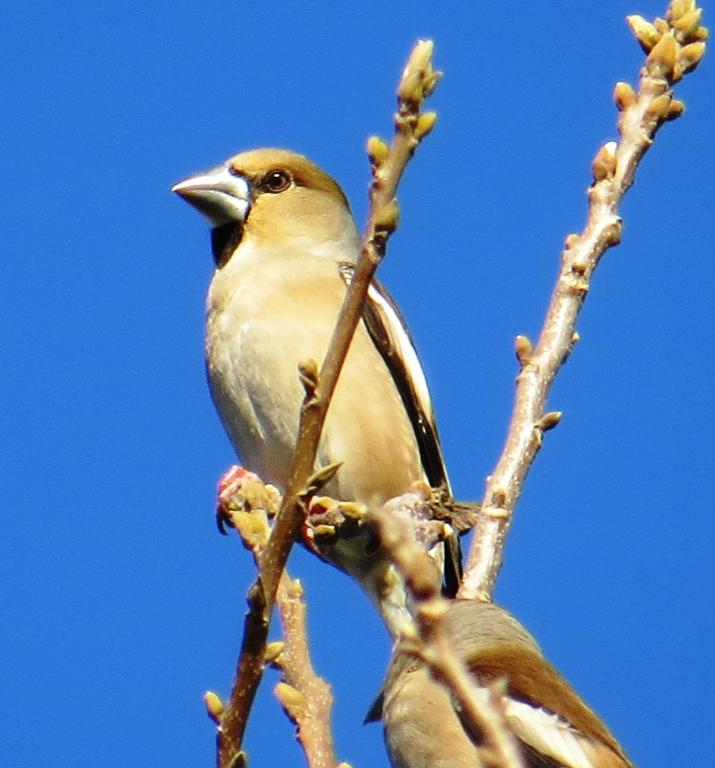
547	733
402	343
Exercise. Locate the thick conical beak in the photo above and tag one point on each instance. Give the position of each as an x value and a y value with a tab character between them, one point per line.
221	196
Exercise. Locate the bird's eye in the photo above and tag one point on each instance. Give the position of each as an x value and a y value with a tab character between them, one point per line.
276	181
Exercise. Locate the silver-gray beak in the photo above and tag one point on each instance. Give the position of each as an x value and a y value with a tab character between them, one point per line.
218	194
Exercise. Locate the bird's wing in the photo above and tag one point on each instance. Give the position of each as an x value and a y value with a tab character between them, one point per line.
575	738
548	736
389	334
392	340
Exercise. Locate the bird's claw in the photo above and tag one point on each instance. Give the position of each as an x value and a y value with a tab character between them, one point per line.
228	486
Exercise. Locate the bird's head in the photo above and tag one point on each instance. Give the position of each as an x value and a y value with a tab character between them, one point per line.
271	197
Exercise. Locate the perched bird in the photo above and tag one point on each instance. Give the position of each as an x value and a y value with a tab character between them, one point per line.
554	727
284	243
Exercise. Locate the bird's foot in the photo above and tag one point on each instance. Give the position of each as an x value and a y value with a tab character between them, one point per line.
461	515
417	508
241	491
329	520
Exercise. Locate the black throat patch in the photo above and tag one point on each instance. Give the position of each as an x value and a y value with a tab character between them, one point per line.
224	241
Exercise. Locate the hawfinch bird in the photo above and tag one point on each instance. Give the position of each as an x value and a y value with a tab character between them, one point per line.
284	243
553	726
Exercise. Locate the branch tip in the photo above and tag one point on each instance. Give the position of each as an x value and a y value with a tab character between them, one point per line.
292	701
691	55
549	420
624	96
645	33
663	56
321	477
214	706
377	152
661	25
659	108
418	79
688	24
678	8
604	163
523	350
387	218
271	655
570	241
308	374
253	528
677	108
425	123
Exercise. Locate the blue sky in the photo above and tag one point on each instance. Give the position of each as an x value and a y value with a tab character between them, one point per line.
120	602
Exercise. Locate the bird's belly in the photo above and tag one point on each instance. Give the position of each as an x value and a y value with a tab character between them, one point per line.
254	393
252	368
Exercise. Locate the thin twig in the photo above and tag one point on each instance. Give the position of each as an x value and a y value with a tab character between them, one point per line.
306	697
417	83
249	504
674	46
430	641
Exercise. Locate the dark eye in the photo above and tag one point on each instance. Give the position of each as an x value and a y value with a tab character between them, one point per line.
276	181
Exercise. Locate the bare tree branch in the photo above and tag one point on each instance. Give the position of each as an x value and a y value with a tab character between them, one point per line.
431	643
674	46
248	505
306	697
388	163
